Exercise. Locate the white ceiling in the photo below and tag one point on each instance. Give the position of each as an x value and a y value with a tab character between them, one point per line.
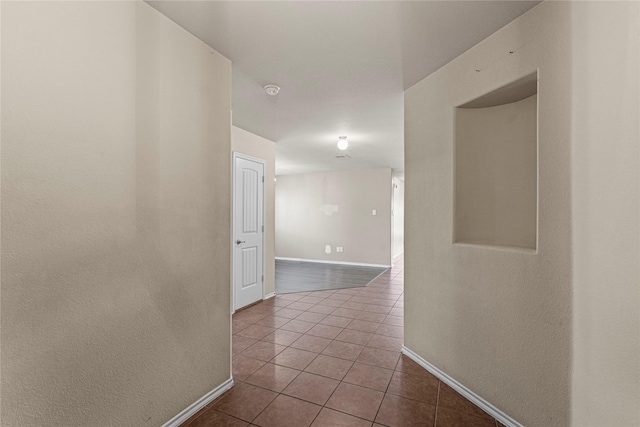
342	67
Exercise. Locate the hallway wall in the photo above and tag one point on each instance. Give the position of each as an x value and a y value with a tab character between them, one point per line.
335	208
606	214
398	217
496	320
551	337
115	215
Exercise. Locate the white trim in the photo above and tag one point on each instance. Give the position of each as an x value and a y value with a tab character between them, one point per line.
460	388
395	258
267	296
199	404
320	261
235	155
248	157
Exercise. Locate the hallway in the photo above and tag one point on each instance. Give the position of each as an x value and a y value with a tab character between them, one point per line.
332	358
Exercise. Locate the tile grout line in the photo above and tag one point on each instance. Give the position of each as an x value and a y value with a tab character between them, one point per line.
435	416
386	390
266	406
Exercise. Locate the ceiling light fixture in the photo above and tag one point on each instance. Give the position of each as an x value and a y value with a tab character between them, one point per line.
342	142
272	90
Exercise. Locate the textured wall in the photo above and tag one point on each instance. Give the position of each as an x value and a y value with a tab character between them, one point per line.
115	215
496	320
319	209
398	217
257	146
496	167
551	338
606	213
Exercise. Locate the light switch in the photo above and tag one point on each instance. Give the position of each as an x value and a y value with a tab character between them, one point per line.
374	212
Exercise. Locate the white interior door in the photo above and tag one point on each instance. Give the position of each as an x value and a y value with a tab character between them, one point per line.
248	233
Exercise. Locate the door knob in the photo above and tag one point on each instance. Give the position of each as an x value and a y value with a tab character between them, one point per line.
239	242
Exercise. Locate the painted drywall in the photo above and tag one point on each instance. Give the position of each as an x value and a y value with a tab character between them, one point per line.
498	321
549	338
606	214
496	167
256	146
335	209
115	215
398	216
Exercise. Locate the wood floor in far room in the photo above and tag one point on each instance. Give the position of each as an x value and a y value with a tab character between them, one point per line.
297	276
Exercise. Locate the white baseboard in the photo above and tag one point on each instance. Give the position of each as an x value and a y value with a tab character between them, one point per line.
321	261
267	296
199	404
395	258
460	388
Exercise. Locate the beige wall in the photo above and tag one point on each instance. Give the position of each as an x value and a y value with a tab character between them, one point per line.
335	208
398	217
496	169
115	215
256	146
606	214
500	322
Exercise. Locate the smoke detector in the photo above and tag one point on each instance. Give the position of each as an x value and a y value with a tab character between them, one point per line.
272	90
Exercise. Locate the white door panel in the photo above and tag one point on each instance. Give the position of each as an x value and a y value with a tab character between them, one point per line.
248	219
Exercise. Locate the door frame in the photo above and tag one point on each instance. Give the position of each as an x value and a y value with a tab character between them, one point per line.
237	155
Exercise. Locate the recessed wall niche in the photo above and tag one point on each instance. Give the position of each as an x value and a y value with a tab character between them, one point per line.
496	167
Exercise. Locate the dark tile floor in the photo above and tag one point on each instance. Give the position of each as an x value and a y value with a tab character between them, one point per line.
332	358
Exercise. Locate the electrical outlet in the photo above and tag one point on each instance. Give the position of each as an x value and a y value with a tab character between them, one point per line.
339	249
374	212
